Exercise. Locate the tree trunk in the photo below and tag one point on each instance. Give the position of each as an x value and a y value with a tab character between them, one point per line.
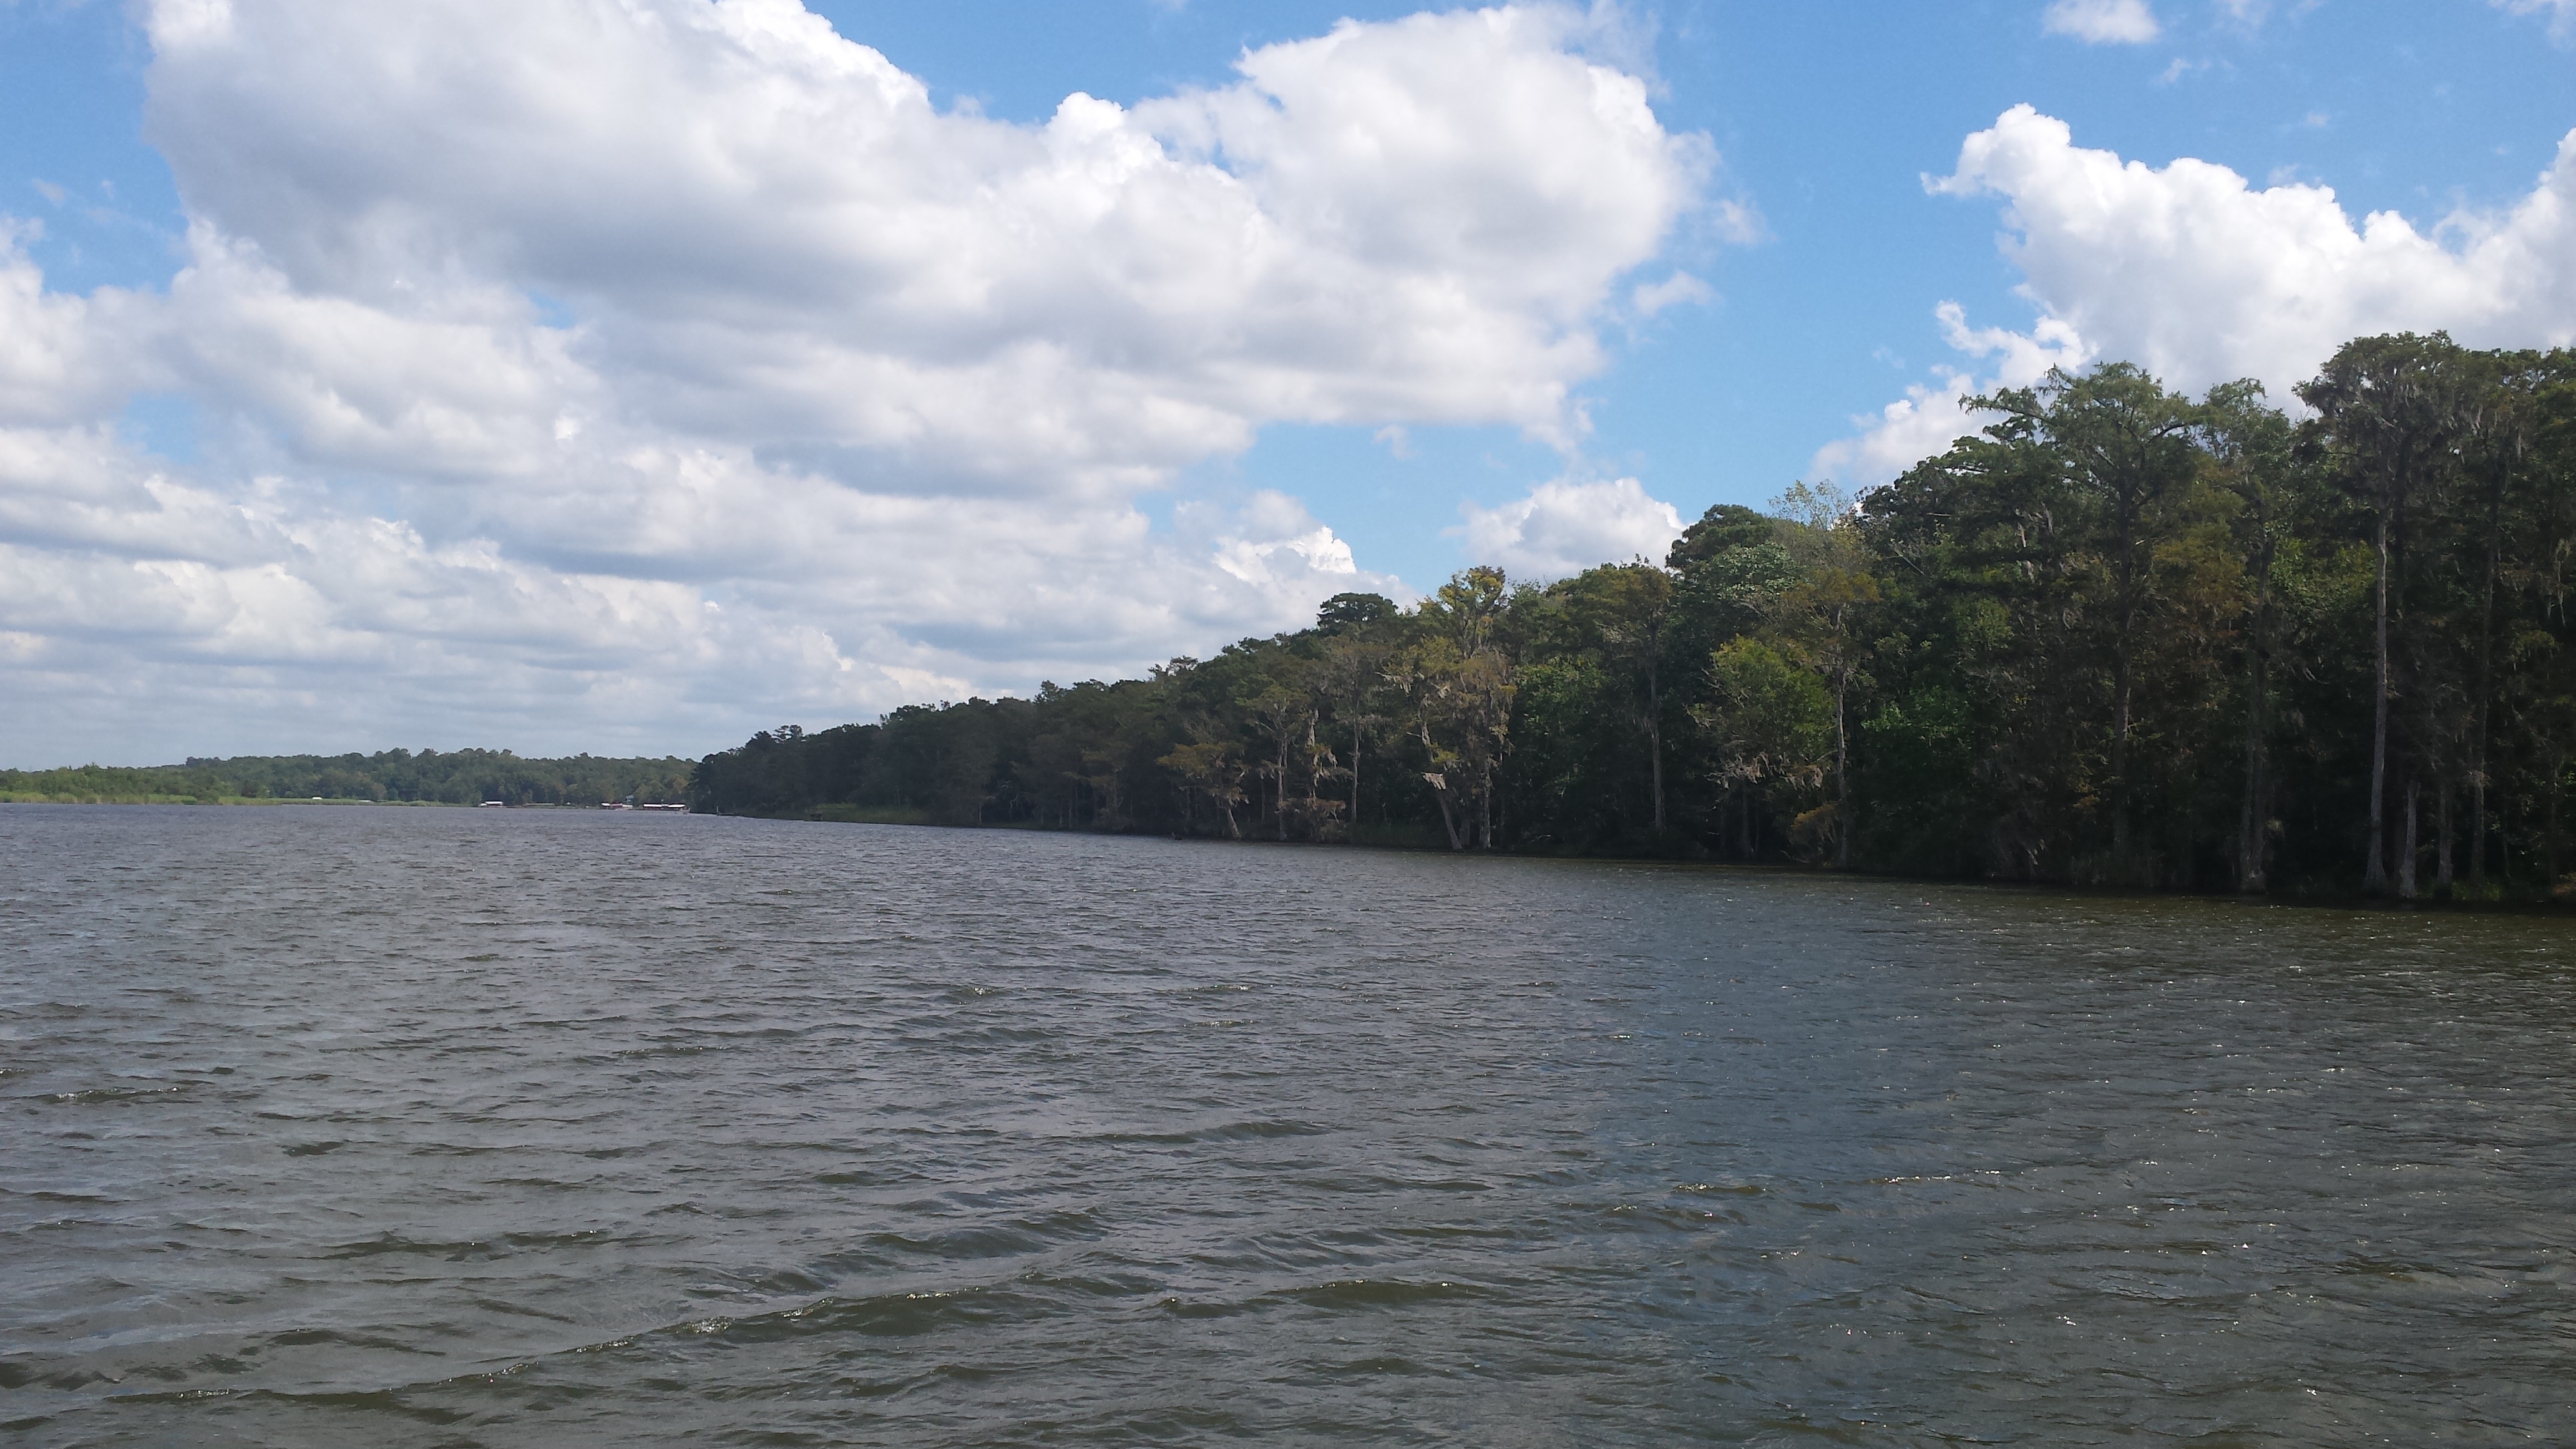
1655	743
2442	850
1314	811
2120	760
1356	739
1448	817
2557	779
2374	876
1310	764
1439	784
2406	860
2123	674
1842	773
1655	739
2486	685
2253	826
2478	810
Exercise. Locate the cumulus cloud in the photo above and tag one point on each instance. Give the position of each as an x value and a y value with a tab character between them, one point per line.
679	364
61	358
1923	422
2193	273
1564	527
2196	274
768	230
2102	22
1273	545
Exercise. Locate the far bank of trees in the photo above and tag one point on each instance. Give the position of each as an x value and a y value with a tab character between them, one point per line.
451	777
2119	637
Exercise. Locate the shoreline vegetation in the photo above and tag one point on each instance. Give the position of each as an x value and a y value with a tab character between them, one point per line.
388	777
2117	638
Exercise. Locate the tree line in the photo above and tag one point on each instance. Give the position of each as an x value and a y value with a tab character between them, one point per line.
452	777
2118	636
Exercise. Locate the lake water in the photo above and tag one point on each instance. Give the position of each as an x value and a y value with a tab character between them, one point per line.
338	1126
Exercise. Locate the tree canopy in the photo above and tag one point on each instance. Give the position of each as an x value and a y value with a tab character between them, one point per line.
2117	636
451	777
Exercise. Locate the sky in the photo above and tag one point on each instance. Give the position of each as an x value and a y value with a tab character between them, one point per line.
629	375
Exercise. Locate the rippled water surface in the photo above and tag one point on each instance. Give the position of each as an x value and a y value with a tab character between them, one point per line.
427	1127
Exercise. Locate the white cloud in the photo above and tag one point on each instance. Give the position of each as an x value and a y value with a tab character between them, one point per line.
2102	22
1737	221
2195	274
61	358
1679	289
2191	272
1924	421
189	22
2250	15
764	224
856	395
2561	13
1564	527
1273	545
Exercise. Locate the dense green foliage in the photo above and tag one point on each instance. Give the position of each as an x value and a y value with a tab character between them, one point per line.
2118	637
456	777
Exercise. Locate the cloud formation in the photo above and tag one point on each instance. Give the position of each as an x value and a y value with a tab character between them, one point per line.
674	364
1923	422
1564	527
2193	273
2561	13
2102	22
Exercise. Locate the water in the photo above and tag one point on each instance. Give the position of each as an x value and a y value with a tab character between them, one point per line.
417	1127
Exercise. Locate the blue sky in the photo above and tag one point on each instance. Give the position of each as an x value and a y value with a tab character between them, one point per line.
1828	116
1825	122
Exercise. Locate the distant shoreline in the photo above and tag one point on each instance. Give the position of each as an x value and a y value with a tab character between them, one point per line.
465	777
22	798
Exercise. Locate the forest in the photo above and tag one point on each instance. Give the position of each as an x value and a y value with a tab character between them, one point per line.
2117	637
453	777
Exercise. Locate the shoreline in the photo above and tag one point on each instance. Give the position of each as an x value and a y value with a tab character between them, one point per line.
2536	906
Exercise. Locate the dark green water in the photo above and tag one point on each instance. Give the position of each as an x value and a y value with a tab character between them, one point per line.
409	1127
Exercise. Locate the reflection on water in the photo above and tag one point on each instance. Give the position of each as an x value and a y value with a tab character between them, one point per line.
416	1127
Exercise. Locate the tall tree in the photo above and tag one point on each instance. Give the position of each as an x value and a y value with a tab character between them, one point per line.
1628	608
1817	619
1352	675
2247	444
2125	443
1459	686
1770	721
2388	411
